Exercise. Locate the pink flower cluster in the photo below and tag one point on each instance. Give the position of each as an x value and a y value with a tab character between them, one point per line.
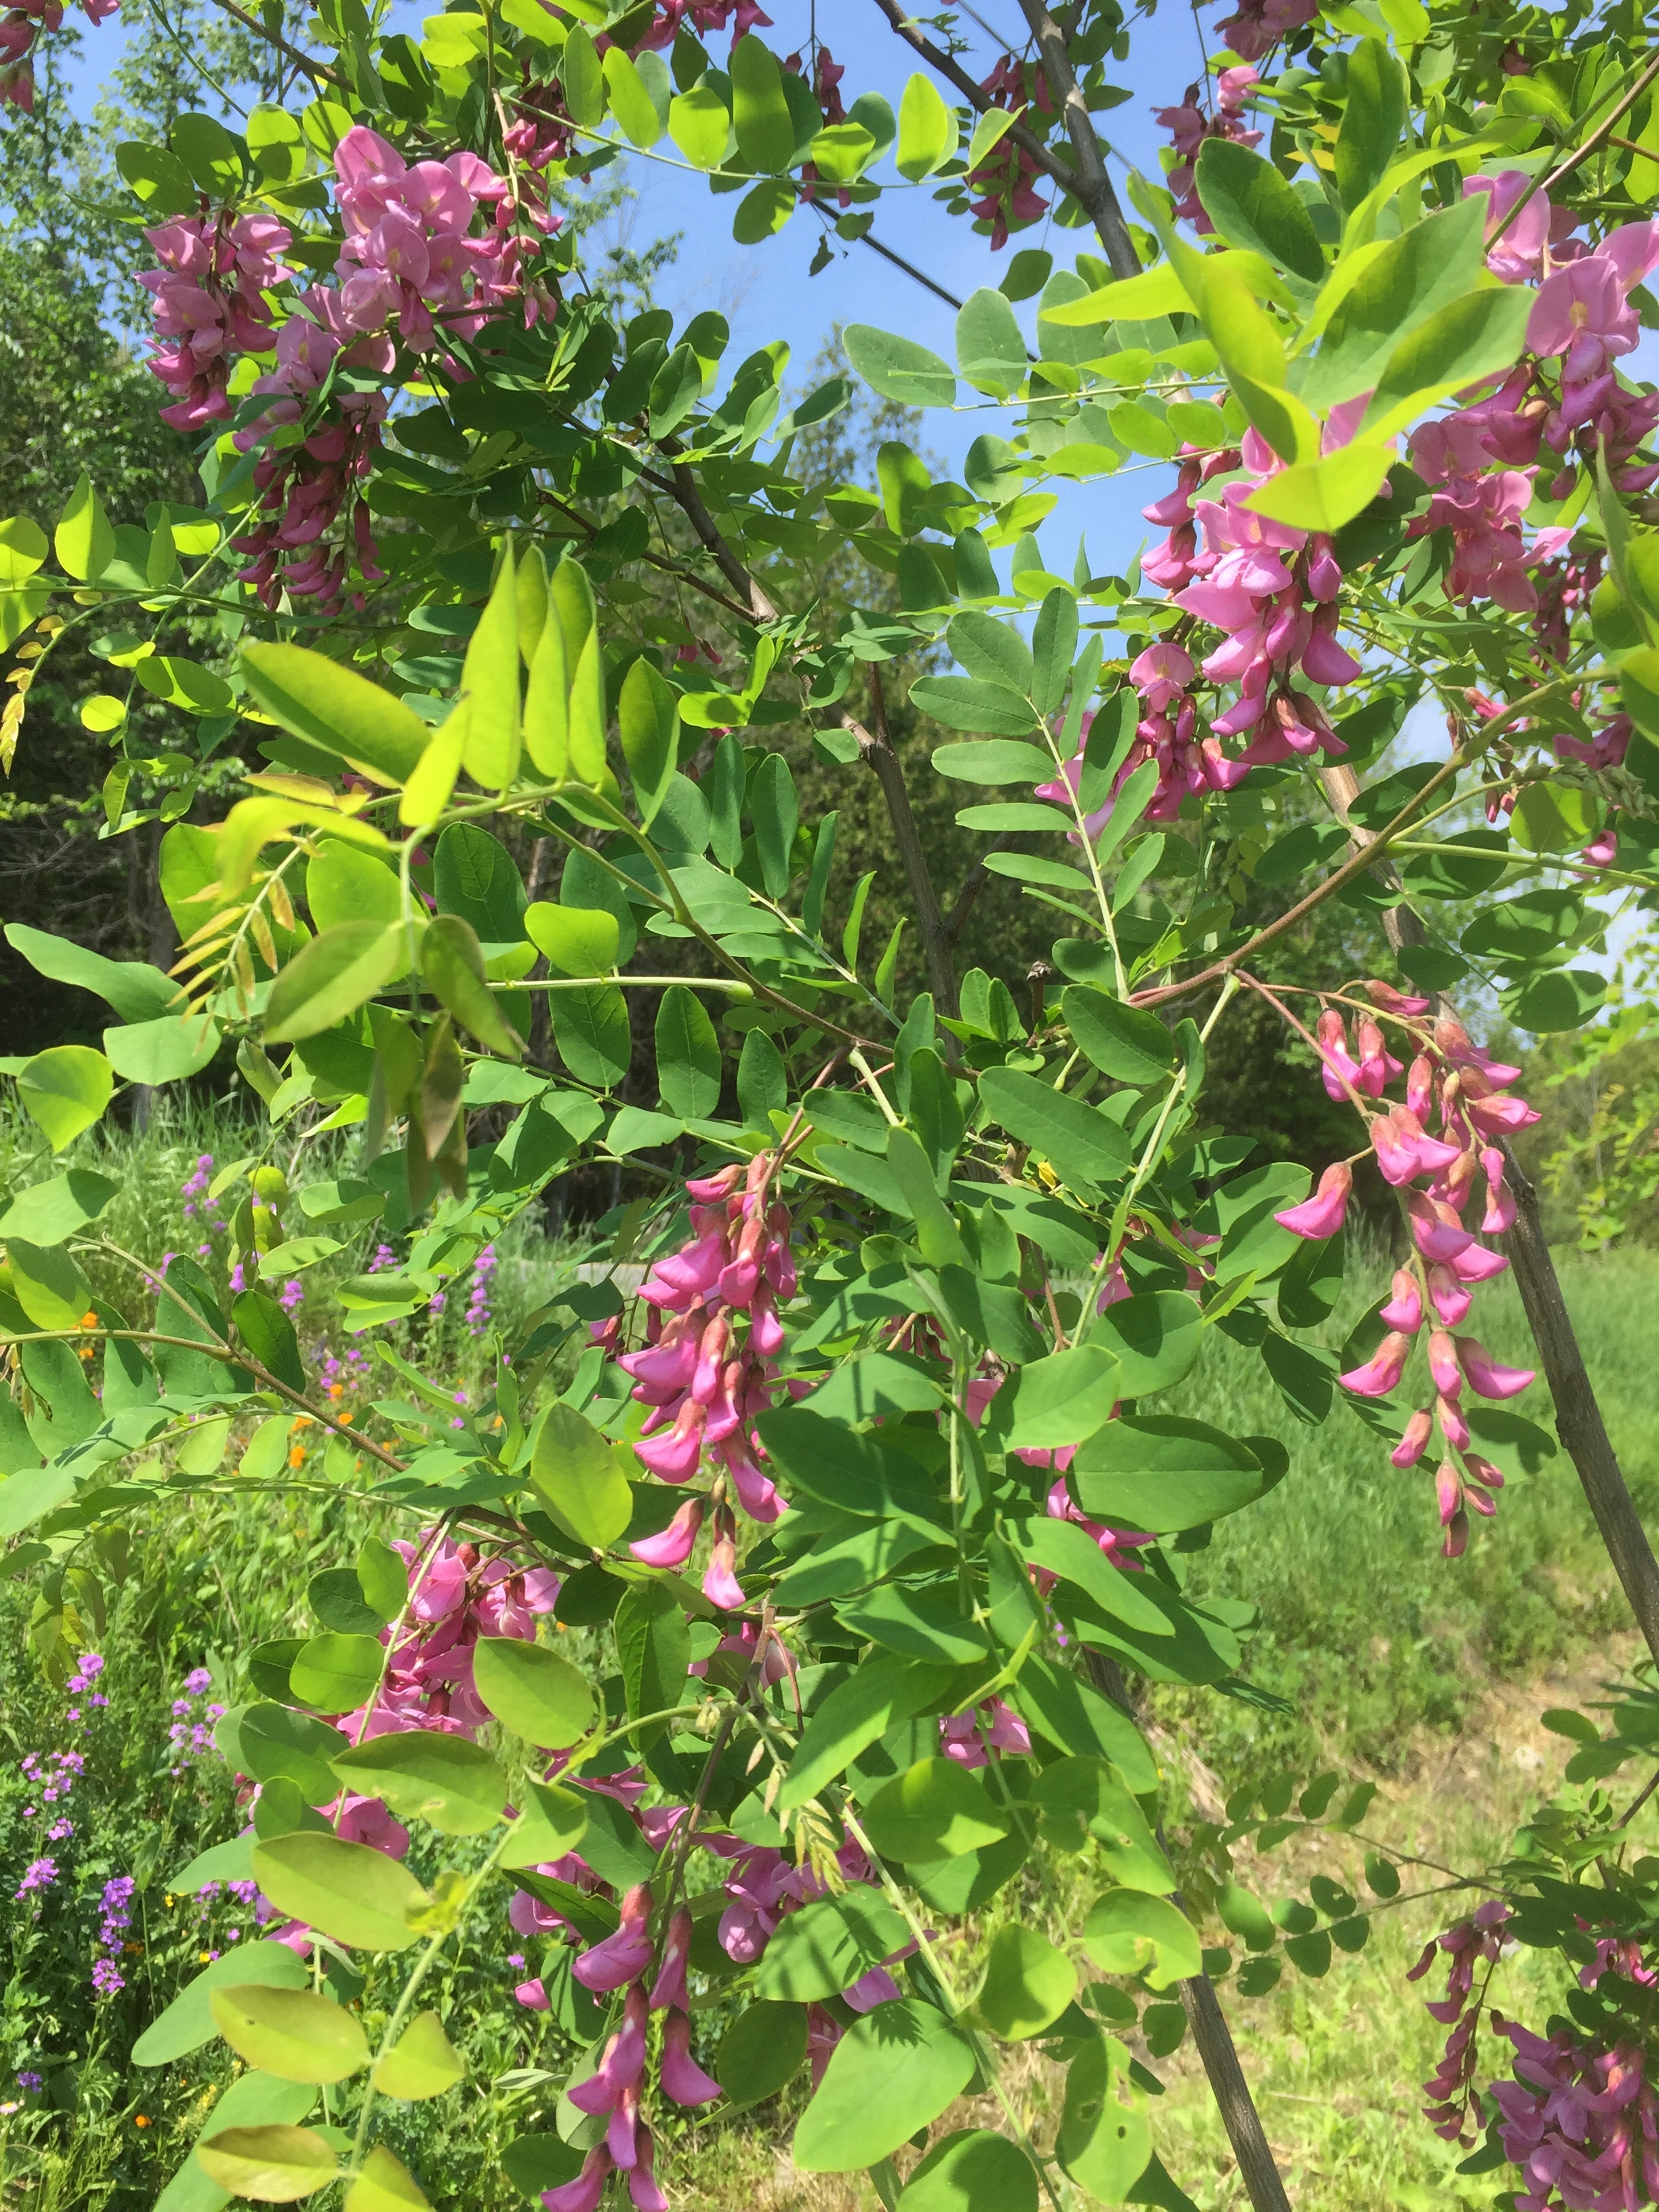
1580	2121
208	305
700	16
1189	126
1005	180
19	28
1259	25
458	1596
408	252
1483	458
1436	1177
702	1379
1271	591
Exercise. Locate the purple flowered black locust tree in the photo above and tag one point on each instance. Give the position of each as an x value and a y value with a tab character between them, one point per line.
850	1449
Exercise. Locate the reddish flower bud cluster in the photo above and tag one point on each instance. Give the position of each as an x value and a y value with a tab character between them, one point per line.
708	1363
1259	25
1189	126
1470	1092
1470	1944
19	28
1005	180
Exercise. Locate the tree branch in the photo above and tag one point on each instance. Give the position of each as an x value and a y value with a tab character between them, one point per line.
1090	186
311	66
1009	840
876	749
685	491
936	59
1211	2033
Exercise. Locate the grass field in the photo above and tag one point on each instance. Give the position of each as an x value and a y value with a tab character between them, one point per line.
1424	1674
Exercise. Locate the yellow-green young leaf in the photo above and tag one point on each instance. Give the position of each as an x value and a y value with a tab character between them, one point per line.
432	779
578	941
766	130
489	685
452	962
581	79
699	124
572	597
553	1822
23	549
928	130
1243	336
103	713
48	1285
1028	1984
297	2034
422	2063
531	591
345	884
65	1090
331	977
83	540
273	2165
338	709
1133	299
546	708
575	1471
1639	683
1324	495
357	1895
532	1691
1130	1932
452	1784
385	2185
630	103
1288	427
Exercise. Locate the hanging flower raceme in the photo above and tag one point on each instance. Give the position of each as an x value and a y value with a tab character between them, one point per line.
1005	180
1189	126
1562	399
708	1364
1451	1078
1467	1945
1271	591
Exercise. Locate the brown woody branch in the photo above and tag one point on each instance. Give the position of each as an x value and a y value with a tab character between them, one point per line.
1211	2033
1008	840
876	750
1090	186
